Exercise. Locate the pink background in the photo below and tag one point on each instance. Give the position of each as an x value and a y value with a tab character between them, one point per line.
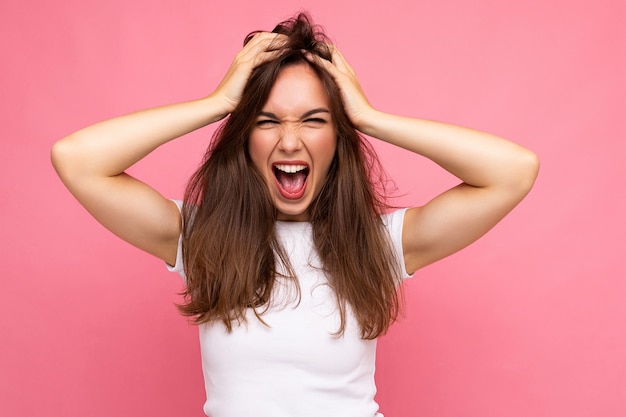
529	321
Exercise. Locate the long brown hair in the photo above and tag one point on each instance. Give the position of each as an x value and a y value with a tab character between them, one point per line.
230	249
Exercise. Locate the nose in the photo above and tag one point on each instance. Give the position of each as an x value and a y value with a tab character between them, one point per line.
290	140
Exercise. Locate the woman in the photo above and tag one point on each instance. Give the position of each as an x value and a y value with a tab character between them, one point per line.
291	265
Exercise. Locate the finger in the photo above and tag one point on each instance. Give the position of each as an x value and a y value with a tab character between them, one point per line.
340	61
268	40
264	47
318	60
266	56
261	48
337	66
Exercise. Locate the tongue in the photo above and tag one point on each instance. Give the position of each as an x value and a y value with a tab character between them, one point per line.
292	183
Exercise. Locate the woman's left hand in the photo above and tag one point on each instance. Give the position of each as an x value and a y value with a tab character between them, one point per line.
495	173
355	102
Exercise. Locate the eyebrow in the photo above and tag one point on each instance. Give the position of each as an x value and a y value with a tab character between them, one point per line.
304	116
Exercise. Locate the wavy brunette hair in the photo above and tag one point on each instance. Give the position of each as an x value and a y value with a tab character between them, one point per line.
230	249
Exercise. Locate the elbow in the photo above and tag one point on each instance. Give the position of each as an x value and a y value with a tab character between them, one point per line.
532	165
59	157
525	171
65	159
56	153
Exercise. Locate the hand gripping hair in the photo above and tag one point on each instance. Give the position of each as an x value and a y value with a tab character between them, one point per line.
230	249
302	36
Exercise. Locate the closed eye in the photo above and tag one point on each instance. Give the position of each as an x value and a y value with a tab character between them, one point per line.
316	120
266	123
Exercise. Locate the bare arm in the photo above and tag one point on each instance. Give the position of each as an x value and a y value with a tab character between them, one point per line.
92	162
496	174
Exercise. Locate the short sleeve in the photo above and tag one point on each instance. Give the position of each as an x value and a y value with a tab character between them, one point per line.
393	222
178	267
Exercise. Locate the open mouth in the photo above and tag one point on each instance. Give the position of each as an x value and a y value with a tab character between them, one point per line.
291	179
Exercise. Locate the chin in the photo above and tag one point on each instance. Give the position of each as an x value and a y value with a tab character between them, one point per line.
292	214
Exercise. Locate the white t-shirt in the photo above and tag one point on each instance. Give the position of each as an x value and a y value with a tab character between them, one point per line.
294	366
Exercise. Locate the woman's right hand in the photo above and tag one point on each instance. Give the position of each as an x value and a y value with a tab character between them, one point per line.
263	47
92	162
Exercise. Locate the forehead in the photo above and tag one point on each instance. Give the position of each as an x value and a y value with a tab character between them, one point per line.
296	90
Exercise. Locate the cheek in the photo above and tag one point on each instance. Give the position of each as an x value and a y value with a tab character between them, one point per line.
258	149
326	147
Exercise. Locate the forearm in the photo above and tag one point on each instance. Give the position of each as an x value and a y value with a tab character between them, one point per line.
477	158
110	147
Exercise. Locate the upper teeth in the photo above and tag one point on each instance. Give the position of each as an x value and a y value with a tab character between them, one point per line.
290	169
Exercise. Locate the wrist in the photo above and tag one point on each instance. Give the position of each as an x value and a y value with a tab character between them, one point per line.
216	107
367	122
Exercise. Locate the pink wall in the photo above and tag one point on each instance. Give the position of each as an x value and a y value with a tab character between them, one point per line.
527	322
